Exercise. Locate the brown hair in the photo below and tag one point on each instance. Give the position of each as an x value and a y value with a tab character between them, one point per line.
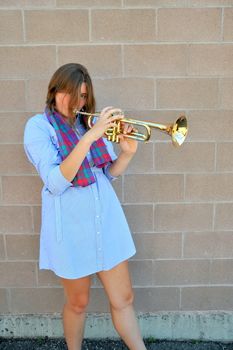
69	78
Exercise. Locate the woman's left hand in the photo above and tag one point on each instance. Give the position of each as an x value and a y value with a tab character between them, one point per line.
128	145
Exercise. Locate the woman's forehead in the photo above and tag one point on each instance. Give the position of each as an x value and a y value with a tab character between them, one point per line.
83	88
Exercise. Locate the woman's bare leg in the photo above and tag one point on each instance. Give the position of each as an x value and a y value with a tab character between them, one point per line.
74	314
118	287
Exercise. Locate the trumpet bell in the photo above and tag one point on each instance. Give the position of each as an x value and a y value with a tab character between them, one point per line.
179	131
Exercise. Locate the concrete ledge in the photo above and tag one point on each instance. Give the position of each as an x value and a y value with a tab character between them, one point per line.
213	326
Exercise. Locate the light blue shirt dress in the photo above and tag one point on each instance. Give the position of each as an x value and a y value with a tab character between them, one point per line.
83	229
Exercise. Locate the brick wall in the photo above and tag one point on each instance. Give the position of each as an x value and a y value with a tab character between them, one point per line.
155	59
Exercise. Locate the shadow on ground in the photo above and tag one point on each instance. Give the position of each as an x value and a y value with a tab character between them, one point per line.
107	344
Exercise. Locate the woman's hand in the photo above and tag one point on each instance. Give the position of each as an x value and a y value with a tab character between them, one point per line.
128	145
106	120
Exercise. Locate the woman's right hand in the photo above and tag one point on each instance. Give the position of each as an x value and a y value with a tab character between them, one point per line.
106	120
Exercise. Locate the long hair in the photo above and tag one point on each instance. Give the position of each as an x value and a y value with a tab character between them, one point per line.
69	78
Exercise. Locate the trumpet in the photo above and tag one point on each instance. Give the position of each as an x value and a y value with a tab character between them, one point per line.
178	130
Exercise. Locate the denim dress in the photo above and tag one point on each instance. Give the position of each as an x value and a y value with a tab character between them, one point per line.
83	229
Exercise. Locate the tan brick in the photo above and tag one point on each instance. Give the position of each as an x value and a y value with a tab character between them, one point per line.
187	93
187	24
226	88
98	301
191	157
1	195
159	188
48	278
12	95
140	217
36	91
158	245
12	126
22	247
180	272
224	156
223	216
101	61
208	245
158	60
2	247
156	299
208	125
17	274
141	272
17	60
21	189
48	26
142	162
210	60
123	25
221	271
207	298
206	3
13	160
183	217
125	93
36	214
4	304
27	3
88	3
37	300
216	187
227	24
23	223
11	23
155	3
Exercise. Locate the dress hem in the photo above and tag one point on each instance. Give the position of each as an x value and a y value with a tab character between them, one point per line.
90	273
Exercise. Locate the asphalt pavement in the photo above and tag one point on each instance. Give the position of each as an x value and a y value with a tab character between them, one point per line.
108	344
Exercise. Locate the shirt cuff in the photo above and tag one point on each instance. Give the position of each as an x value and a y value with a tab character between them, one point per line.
107	173
57	182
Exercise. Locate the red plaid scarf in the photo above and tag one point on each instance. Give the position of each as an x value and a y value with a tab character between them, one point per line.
68	140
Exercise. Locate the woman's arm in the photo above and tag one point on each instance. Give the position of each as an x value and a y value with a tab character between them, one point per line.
128	149
73	161
120	164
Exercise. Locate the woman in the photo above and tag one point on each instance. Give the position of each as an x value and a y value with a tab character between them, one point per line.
83	230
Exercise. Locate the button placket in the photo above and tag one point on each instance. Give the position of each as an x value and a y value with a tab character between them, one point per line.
99	247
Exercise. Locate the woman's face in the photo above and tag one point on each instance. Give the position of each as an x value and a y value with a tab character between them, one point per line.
63	100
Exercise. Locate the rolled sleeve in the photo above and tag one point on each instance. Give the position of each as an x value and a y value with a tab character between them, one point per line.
113	155
57	183
107	173
44	155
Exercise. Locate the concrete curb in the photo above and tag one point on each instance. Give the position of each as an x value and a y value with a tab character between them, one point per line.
211	326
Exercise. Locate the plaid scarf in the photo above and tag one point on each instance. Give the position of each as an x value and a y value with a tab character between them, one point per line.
68	140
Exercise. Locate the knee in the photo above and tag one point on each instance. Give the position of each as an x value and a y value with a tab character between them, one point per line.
79	304
122	301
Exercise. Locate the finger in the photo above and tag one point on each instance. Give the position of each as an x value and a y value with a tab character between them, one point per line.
114	118
111	125
130	128
127	129
104	110
114	111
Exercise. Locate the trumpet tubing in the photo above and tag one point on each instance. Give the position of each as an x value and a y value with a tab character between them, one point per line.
178	130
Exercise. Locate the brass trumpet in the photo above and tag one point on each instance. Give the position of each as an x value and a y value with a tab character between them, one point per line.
178	130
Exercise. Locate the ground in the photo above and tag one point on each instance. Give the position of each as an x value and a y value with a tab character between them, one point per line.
107	344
